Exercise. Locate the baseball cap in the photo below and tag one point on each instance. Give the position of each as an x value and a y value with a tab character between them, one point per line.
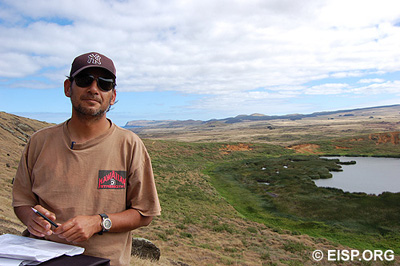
92	59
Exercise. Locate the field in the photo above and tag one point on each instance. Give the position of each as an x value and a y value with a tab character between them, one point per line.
216	213
283	132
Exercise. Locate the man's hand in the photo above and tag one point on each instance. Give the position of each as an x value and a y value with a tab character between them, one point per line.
37	226
79	228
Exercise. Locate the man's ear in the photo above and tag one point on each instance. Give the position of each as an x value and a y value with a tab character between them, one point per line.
114	97
67	88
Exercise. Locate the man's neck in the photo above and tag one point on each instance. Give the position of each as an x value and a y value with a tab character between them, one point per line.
82	130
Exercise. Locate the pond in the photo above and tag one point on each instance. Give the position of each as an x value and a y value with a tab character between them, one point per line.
371	175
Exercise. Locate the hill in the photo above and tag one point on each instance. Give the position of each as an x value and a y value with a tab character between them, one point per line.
14	133
280	130
378	110
198	226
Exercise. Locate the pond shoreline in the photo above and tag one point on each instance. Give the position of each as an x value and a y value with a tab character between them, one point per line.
370	174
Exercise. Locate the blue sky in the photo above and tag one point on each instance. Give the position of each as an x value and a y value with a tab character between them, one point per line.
203	59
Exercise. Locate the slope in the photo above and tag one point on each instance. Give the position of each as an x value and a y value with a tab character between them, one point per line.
198	226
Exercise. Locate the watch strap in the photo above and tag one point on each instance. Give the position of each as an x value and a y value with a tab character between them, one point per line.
103	217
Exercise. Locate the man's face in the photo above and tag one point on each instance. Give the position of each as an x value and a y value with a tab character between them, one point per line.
91	102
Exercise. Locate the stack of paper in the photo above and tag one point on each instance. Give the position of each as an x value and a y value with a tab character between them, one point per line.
18	250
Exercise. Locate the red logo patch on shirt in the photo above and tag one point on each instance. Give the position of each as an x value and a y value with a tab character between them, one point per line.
110	179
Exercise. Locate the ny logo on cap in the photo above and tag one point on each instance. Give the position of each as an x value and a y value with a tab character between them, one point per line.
94	59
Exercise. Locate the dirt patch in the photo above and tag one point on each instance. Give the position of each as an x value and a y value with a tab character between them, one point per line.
341	148
305	148
226	149
359	139
389	137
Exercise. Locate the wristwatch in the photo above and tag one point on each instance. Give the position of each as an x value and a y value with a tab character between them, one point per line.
105	223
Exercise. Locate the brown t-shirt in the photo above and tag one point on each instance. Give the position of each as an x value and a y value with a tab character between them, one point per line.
108	174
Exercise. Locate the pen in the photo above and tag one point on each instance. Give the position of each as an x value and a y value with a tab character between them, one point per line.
44	217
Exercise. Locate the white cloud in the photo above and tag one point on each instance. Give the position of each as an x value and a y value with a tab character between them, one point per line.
261	101
17	65
326	89
359	13
225	49
389	87
377	80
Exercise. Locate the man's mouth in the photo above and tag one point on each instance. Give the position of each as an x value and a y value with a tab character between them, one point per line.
91	100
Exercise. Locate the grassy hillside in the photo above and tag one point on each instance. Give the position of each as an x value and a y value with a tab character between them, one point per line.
204	222
199	226
208	196
14	132
281	194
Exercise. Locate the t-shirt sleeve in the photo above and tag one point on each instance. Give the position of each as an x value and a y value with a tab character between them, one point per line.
142	192
22	185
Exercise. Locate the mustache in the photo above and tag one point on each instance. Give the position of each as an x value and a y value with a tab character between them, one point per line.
91	97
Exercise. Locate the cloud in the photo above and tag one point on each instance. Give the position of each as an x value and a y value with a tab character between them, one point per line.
326	89
389	87
358	13
17	65
376	80
221	50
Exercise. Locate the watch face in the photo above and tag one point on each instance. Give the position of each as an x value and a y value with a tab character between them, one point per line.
107	224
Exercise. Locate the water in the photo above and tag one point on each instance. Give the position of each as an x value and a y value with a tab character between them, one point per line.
370	175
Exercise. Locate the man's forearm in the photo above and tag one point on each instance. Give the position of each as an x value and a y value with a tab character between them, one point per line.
128	220
22	213
81	228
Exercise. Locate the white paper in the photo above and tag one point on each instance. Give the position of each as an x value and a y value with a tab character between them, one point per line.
30	249
10	262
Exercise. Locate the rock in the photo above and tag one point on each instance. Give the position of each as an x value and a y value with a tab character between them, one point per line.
145	249
178	263
25	127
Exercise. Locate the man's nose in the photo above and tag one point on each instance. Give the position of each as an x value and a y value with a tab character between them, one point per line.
94	87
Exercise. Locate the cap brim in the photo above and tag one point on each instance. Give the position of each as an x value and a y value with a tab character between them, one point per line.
91	66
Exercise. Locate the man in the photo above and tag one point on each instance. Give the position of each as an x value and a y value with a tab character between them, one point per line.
93	178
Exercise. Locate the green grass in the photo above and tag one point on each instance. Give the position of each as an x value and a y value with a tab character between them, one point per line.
197	183
293	202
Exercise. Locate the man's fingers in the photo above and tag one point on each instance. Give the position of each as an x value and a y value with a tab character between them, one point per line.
46	212
40	226
38	230
73	230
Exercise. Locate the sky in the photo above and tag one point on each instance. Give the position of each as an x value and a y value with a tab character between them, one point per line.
203	59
